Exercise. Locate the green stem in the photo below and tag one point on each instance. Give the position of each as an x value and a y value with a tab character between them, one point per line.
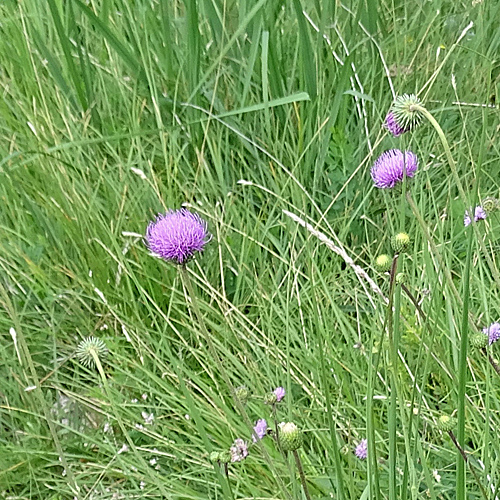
301	474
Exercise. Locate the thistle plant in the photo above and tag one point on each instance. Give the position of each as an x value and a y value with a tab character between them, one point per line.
176	237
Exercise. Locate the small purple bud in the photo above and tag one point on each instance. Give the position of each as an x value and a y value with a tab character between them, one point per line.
493	332
361	450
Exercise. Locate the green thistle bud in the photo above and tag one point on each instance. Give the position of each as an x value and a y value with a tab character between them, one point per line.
401	278
290	436
242	393
215	456
479	340
400	242
87	348
224	457
383	263
407	110
270	398
490	205
447	423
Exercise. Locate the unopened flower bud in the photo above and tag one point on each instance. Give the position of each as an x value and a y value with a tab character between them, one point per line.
479	340
447	423
383	263
400	242
290	436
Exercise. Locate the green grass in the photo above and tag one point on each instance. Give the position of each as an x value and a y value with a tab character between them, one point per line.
247	112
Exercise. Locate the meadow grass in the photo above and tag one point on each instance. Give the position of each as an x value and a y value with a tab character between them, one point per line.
265	118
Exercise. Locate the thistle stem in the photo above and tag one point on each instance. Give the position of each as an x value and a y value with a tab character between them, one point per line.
301	474
466	460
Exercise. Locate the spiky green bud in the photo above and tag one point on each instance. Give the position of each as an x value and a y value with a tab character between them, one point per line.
400	242
89	347
407	110
383	263
215	456
224	457
401	278
479	340
447	423
490	205
290	436
270	398
242	393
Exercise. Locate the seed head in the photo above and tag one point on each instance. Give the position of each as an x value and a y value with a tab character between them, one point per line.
400	242
391	166
290	436
177	235
383	263
89	346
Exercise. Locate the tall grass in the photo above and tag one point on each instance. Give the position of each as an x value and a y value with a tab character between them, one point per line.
265	118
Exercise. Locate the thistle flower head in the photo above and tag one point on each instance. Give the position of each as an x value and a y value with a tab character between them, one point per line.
259	430
361	450
400	242
238	450
383	263
177	235
493	332
391	166
447	423
393	126
479	214
279	392
87	348
406	114
290	436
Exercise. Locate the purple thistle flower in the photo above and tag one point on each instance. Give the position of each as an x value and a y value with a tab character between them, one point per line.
177	235
390	167
259	431
479	214
392	125
361	450
279	392
493	332
239	450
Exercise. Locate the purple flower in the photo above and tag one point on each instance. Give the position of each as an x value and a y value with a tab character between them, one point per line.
279	392
479	214
493	332
260	429
390	167
361	450
239	450
177	235
392	125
